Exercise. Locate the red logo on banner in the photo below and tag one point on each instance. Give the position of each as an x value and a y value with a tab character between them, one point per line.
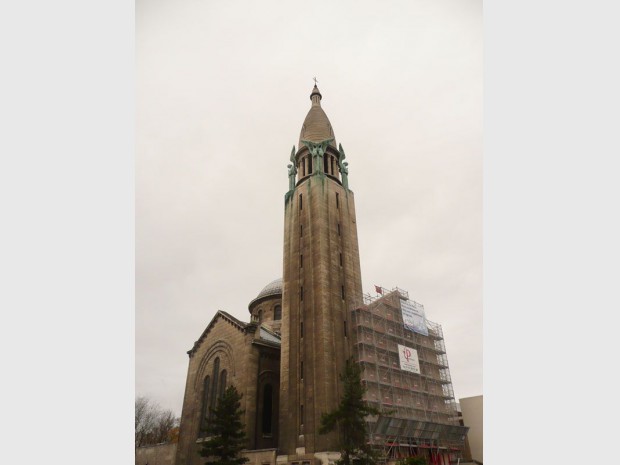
407	354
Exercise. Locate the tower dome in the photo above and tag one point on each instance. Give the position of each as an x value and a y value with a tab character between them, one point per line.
316	127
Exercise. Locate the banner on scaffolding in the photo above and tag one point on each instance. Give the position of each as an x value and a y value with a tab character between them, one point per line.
408	359
413	316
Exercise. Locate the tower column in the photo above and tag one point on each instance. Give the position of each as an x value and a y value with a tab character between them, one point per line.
321	284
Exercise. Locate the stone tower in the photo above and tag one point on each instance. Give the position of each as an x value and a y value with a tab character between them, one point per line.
321	284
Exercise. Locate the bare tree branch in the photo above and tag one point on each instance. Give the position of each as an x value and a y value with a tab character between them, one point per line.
152	424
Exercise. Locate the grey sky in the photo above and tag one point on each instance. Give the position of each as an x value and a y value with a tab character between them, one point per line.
222	90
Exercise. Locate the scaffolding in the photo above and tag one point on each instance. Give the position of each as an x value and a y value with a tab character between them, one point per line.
422	416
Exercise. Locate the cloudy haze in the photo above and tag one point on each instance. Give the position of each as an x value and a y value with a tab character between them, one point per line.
222	91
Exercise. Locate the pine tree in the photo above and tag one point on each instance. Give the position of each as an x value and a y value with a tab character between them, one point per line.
349	419
226	436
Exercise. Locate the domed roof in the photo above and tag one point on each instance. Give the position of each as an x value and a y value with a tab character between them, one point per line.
273	288
316	127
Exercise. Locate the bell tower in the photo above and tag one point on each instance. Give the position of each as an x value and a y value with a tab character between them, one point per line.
321	284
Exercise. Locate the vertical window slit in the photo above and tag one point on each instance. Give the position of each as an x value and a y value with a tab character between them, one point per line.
205	404
267	408
222	383
214	393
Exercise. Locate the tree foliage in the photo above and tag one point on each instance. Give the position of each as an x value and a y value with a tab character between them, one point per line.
153	425
226	436
349	420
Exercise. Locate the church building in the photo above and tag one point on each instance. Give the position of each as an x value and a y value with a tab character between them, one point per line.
287	359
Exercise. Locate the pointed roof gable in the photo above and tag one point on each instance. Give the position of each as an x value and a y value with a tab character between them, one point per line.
240	325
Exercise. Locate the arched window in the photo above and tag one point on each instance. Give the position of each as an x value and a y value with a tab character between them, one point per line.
216	372
222	382
205	404
277	312
260	315
267	408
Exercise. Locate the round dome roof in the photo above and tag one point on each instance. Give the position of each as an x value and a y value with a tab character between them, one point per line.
274	288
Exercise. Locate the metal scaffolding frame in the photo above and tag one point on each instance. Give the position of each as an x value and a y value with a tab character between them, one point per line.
422	410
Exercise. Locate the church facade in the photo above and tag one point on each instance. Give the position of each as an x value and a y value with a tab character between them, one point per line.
286	361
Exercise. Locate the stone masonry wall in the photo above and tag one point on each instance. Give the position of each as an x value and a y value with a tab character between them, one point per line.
237	355
161	454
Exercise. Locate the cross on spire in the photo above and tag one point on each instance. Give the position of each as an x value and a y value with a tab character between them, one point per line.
315	81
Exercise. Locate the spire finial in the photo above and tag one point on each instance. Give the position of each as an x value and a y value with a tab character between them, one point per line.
316	96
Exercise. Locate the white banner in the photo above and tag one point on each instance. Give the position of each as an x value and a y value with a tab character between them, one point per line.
408	359
413	316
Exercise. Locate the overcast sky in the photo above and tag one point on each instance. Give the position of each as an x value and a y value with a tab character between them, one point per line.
222	91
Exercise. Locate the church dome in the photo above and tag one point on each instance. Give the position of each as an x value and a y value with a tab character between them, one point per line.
316	127
273	289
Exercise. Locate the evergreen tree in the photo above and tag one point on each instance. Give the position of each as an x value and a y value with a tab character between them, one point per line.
349	420
226	436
